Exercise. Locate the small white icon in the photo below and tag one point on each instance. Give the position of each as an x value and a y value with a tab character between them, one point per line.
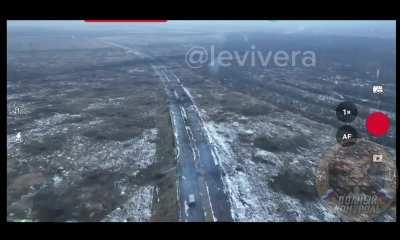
18	138
377	158
347	136
377	89
346	112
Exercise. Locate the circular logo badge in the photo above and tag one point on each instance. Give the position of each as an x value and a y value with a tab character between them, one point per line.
358	182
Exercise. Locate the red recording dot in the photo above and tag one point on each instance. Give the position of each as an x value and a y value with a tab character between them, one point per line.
378	124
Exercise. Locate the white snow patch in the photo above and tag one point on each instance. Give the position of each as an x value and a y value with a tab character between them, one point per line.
57	180
136	209
186	208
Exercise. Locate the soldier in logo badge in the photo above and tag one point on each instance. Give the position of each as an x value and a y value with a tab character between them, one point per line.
352	185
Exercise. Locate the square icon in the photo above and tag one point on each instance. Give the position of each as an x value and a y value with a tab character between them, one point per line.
377	89
377	158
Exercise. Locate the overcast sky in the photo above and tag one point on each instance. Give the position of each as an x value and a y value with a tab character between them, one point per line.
377	28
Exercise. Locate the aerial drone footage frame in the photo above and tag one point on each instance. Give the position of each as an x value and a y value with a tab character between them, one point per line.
201	121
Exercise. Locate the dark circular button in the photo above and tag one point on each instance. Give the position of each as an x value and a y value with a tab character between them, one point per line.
346	111
346	135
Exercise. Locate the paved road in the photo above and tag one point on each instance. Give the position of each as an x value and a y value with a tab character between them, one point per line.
196	161
198	167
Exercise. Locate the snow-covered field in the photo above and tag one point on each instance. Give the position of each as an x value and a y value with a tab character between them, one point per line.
75	156
136	209
249	182
250	172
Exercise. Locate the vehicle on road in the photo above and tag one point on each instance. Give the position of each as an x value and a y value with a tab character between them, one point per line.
192	200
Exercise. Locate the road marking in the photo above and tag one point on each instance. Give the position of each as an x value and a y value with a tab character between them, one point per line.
209	201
